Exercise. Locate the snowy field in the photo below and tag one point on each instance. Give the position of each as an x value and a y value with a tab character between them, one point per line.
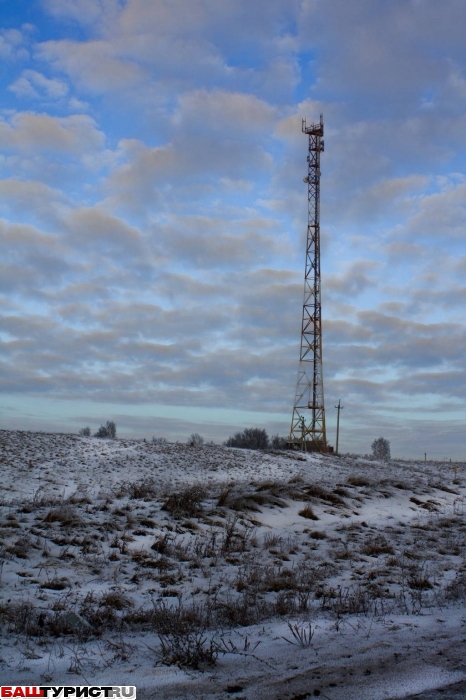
211	572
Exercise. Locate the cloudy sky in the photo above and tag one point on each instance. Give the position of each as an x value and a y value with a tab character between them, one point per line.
153	215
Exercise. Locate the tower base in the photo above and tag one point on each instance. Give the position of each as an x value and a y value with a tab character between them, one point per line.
310	446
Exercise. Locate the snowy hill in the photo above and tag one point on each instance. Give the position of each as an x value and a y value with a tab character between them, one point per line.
211	572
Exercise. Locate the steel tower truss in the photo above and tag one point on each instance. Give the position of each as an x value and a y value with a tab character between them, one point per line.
308	421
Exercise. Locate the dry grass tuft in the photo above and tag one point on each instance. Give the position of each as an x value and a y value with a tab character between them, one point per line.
377	545
307	512
65	515
56	584
186	503
359	480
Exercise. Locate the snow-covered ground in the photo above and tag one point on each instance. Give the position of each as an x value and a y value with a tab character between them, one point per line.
209	572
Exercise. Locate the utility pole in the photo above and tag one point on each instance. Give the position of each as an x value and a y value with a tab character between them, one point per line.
303	435
339	408
310	387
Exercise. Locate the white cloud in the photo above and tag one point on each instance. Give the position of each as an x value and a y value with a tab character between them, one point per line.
32	200
441	215
392	51
12	44
92	65
225	112
33	84
42	132
87	12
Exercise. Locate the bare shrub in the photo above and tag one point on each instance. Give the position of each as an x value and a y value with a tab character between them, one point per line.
116	600
190	649
381	449
195	440
85	432
255	577
79	498
66	515
11	525
272	487
69	623
145	489
148	522
41	500
418	578
168	619
185	503
346	601
250	439
334	499
107	431
377	545
456	589
234	538
302	634
223	497
446	522
271	540
277	442
56	584
280	579
163	544
159	441
147	561
250	576
99	616
401	485
22	618
340	491
315	491
246	610
285	603
20	548
243	498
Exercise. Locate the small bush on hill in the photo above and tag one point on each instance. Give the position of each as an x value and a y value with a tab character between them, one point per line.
381	449
107	431
195	440
159	440
249	439
85	432
278	442
185	503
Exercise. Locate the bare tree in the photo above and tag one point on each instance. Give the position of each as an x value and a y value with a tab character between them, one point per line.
159	440
381	449
107	431
85	432
195	440
249	439
278	442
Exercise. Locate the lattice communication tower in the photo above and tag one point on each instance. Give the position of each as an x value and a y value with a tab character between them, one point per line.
308	421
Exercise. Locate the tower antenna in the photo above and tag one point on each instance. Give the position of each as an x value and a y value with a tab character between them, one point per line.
310	434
